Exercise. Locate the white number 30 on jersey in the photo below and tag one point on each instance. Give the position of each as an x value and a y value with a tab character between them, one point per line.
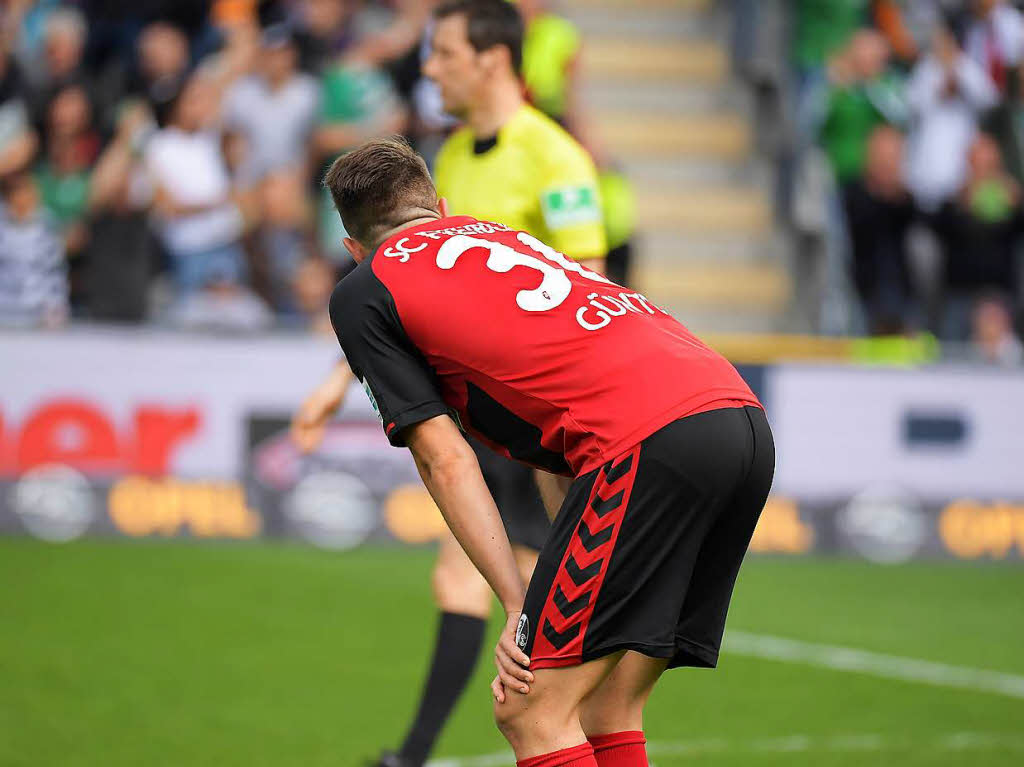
555	286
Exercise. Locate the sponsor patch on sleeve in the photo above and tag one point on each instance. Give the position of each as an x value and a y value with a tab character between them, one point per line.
373	400
565	206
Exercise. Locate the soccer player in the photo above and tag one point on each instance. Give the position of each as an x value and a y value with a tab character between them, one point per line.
455	324
508	162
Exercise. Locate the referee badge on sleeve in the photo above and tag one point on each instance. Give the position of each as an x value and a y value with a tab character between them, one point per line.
570	205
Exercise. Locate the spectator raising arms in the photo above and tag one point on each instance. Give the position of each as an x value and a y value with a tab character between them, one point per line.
277	89
200	225
948	92
864	95
995	39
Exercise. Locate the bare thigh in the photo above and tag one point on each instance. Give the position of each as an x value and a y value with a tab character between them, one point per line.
617	703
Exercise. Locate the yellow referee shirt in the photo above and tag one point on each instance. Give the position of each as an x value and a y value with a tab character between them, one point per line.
534	176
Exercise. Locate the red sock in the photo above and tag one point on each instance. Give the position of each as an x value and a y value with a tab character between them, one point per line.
620	749
577	756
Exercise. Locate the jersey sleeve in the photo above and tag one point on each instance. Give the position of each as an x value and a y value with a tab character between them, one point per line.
401	386
571	204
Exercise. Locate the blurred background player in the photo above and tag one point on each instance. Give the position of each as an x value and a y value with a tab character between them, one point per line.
508	162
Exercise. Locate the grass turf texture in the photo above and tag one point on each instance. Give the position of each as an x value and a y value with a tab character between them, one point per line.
180	654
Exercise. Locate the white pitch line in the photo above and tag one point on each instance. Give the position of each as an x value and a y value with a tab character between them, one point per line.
862	661
836	658
789	744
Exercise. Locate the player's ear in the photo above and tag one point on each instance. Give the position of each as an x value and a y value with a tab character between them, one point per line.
442	207
358	251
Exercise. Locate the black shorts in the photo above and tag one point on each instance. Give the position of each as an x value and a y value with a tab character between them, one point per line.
515	492
645	551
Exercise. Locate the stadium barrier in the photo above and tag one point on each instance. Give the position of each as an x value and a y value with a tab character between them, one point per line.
146	434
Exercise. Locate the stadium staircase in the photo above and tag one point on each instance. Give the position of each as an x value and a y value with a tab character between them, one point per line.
662	100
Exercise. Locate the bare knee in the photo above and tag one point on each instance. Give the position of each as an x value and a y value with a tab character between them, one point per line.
533	718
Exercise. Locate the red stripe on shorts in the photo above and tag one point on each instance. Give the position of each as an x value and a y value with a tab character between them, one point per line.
569	606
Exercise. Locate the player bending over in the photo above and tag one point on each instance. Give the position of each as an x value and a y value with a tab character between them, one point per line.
453	323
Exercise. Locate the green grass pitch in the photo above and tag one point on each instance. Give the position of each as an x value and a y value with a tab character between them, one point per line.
114	653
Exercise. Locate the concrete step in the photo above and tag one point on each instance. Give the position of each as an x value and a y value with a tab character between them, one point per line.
617	59
690	171
644	25
660	97
706	322
761	288
669	248
704	210
723	136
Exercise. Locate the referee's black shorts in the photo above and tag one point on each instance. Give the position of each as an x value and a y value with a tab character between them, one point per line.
645	550
515	492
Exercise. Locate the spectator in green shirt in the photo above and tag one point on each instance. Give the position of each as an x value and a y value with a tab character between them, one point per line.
63	174
864	94
358	101
823	27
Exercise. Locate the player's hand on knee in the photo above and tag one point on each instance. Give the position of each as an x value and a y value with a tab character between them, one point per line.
498	690
512	663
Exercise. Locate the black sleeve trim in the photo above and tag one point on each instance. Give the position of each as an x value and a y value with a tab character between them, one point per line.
401	384
410	417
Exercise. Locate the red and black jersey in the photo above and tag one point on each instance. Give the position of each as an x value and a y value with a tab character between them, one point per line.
547	362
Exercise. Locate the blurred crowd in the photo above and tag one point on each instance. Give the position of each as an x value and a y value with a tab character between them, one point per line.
902	154
160	160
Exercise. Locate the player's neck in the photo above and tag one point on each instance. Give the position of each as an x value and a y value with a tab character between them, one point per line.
488	117
425	219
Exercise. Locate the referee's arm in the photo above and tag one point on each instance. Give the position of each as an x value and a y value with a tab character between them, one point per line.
570	203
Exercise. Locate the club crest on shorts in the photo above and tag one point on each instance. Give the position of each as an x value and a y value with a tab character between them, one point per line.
523	632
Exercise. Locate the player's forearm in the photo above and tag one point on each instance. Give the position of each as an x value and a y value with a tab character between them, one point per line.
458	488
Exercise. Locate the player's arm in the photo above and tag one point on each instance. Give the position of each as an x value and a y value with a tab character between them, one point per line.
451	473
310	421
570	203
404	392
